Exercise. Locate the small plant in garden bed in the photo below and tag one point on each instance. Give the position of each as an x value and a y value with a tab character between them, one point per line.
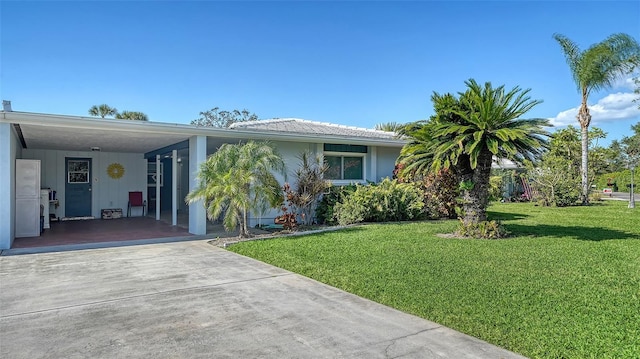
484	230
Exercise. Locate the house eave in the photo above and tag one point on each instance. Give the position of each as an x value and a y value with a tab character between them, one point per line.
96	123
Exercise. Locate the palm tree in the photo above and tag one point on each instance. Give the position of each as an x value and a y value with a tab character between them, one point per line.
238	179
597	68
132	115
467	132
389	126
103	110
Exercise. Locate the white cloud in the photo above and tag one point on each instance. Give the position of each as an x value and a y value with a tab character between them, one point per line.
611	108
625	82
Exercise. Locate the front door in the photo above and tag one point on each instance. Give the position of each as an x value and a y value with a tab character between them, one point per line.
78	187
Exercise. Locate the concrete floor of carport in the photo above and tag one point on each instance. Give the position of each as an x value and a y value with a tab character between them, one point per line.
191	299
126	229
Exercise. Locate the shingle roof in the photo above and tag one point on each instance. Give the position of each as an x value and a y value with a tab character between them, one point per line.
296	125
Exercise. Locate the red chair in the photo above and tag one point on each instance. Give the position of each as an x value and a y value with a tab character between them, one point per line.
135	200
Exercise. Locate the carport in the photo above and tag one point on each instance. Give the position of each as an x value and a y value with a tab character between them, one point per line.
54	140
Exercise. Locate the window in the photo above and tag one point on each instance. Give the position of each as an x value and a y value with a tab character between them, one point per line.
331	147
344	167
78	171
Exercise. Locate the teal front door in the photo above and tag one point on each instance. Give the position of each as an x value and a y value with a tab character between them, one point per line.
77	196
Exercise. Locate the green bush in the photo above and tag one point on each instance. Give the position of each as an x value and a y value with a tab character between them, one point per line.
325	209
440	194
566	193
554	185
621	180
386	201
495	188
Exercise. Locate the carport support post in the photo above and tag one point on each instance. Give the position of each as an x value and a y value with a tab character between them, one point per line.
7	185
157	187
174	188
197	212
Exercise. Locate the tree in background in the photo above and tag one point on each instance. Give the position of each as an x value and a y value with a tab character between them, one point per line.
132	115
237	179
596	68
636	81
389	126
566	144
554	184
103	111
223	119
466	132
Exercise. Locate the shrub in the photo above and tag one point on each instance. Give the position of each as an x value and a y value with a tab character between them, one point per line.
441	191
484	229
386	201
495	188
621	180
335	194
553	183
566	193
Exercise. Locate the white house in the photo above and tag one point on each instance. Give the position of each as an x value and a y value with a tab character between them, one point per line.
93	163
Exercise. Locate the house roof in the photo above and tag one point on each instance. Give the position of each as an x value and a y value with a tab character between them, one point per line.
299	126
78	133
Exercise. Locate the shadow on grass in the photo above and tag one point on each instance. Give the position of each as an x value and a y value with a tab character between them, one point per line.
576	232
505	216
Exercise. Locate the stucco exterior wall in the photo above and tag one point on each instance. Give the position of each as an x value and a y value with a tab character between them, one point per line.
379	163
106	191
386	160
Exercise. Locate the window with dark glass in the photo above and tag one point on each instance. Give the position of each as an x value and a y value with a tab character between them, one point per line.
344	167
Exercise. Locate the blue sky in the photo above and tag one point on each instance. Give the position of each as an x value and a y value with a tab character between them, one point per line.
353	63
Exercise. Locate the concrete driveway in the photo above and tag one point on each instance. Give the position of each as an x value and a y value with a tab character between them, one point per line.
193	300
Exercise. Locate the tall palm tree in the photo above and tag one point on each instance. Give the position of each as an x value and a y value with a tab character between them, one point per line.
467	132
103	110
237	179
597	68
132	115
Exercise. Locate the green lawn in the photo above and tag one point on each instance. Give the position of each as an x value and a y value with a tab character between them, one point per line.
567	285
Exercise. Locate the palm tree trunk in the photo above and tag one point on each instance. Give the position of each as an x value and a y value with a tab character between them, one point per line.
244	231
475	193
480	190
584	117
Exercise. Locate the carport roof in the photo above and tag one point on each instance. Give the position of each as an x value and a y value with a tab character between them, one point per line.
78	133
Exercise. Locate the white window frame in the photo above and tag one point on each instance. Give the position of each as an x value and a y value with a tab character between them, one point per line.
349	154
